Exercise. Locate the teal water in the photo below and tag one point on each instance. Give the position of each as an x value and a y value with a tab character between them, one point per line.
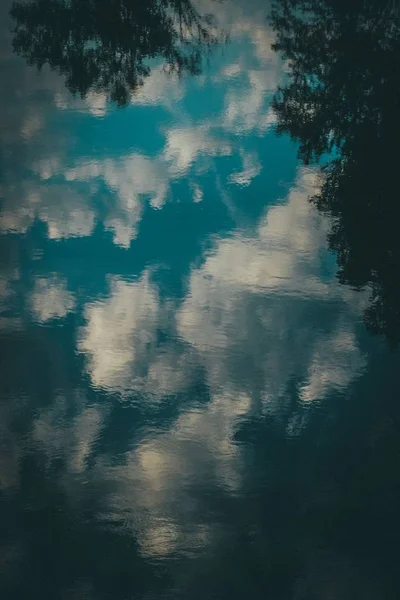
198	327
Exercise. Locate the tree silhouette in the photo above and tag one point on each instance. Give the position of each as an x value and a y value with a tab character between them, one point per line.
105	45
342	103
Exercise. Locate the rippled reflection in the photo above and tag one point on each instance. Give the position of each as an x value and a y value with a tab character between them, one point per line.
70	187
349	109
101	47
190	404
232	322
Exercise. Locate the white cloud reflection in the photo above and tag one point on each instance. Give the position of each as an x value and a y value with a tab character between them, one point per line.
253	296
65	193
50	299
250	307
119	331
248	321
73	442
132	179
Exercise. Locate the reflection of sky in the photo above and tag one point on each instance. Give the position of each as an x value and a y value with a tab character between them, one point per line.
103	165
167	248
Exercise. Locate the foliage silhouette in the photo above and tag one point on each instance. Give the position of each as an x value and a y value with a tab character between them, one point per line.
343	101
105	45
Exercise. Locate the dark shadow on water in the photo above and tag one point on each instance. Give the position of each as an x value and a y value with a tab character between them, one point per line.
343	98
105	45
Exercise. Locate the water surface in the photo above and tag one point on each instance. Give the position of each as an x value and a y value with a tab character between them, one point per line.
198	326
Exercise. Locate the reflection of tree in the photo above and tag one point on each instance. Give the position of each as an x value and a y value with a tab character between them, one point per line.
343	98
103	45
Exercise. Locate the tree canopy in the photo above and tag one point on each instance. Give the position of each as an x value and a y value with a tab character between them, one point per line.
106	45
342	103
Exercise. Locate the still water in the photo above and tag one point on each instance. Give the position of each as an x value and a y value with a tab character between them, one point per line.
199	300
